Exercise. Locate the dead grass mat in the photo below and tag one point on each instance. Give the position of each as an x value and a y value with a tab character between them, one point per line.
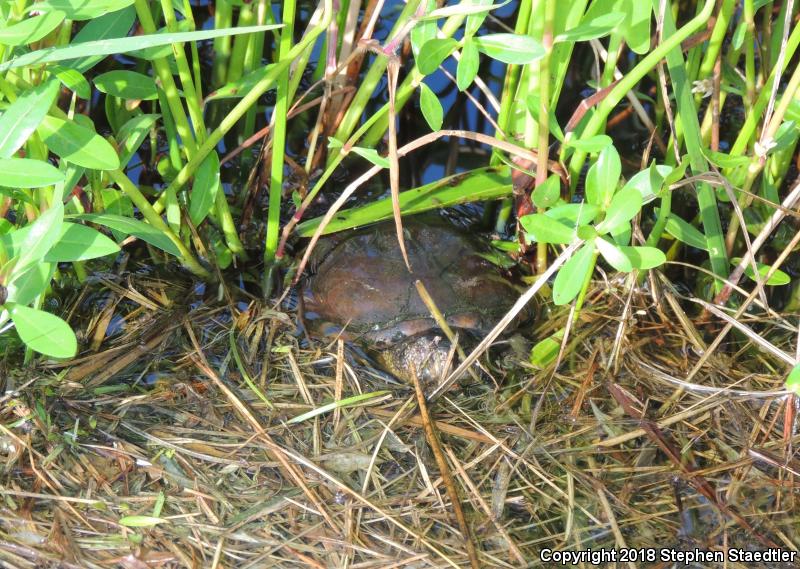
164	448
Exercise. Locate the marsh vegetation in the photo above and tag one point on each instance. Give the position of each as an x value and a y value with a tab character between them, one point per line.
167	167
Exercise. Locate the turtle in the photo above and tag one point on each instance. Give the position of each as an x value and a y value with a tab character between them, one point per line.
360	289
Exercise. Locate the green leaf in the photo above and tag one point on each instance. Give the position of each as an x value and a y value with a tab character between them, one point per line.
739	34
124	45
649	182
113	25
555	128
31	29
19	120
130	226
141	521
623	207
613	255
80	243
532	101
644	257
118	114
722	160
433	53
127	85
132	134
116	202
152	53
574	214
546	351
43	332
548	193
21	241
786	136
348	402
82	9
592	144
72	80
480	7
758	4
571	276
685	232
372	155
28	173
597	28
72	175
510	48
499	259
467	65
27	284
779	278
488	183
77	144
793	380
205	188
544	229
677	172
431	107
621	233
586	232
474	20
19	195
637	35
39	236
603	176
423	31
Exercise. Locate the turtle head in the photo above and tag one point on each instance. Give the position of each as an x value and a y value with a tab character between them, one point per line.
426	353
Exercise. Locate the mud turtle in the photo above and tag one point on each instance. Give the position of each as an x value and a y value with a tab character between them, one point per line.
359	287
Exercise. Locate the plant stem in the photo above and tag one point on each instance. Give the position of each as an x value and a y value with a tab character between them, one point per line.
165	76
279	137
687	115
255	48
631	79
223	18
586	282
185	73
752	119
373	77
251	98
749	54
138	199
756	165
544	116
715	42
664	210
507	101
240	42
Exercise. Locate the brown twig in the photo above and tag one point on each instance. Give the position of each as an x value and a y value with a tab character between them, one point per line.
444	472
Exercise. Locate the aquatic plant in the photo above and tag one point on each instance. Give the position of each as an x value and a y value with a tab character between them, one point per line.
673	68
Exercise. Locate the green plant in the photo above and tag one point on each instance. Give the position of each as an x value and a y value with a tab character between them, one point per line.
51	151
602	222
29	258
35	130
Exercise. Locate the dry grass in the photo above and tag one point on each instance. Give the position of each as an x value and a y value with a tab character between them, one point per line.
160	450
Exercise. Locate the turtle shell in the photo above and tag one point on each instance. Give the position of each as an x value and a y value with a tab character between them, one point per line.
362	288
